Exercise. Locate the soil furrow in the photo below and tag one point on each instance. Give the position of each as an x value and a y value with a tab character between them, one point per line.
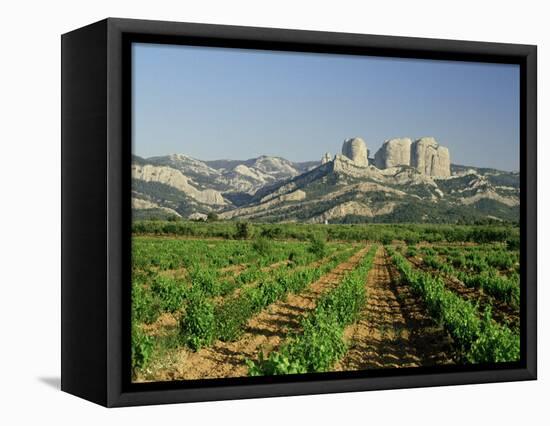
394	330
264	332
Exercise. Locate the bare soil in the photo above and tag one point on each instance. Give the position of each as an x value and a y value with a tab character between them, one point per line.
394	329
178	273
234	270
165	324
264	333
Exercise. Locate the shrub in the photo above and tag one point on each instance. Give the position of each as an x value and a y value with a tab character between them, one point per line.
272	233
513	243
205	280
317	246
231	317
142	349
411	251
146	306
243	230
198	325
170	292
263	246
386	238
411	238
212	217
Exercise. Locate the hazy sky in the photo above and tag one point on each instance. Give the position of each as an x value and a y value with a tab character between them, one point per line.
214	103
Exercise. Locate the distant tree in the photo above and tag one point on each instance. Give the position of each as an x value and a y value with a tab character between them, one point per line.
212	217
513	243
272	232
243	230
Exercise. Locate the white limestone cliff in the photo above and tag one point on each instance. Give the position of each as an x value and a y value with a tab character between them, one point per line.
393	153
430	158
356	150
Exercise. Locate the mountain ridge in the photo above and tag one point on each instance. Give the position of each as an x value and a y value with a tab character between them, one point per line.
335	190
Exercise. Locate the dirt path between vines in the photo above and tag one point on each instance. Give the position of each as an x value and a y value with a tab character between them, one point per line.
264	333
501	311
394	330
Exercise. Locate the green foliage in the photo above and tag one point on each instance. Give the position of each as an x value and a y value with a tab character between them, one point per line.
212	217
206	280
205	271
500	259
411	251
501	287
321	342
198	325
242	230
494	344
272	232
262	245
408	232
513	243
411	238
249	275
170	292
318	245
142	349
231	316
386	238
146	306
482	340
476	270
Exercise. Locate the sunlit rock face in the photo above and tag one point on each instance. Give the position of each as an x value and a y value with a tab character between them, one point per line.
326	158
356	150
393	153
429	158
176	179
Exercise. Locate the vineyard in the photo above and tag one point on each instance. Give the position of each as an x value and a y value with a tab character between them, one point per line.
231	300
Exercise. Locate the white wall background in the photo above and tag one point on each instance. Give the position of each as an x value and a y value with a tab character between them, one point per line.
30	212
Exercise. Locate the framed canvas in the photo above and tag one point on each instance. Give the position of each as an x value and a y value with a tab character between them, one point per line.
214	248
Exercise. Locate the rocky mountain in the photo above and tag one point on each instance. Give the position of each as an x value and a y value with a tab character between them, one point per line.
407	181
230	175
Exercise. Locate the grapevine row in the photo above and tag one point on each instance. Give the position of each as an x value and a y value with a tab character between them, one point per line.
204	322
480	338
499	286
320	343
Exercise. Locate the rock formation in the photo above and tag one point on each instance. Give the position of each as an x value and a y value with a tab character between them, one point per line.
356	150
176	179
198	217
326	158
140	204
429	158
394	152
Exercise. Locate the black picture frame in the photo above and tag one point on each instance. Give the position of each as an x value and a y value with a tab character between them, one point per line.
96	151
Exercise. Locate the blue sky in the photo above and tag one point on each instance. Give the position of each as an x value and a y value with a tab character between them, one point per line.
214	103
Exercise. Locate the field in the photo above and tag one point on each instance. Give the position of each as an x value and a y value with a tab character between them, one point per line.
230	299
